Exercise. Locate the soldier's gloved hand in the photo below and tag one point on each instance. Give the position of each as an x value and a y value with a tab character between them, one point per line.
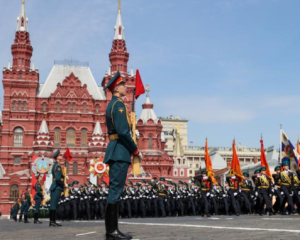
140	155
292	194
276	187
235	194
252	196
272	190
282	193
207	194
256	194
299	193
224	195
166	200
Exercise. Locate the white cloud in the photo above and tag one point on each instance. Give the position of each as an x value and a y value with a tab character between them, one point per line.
206	109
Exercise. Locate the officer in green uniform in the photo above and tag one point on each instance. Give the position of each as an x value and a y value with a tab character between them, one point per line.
57	187
27	204
118	154
38	197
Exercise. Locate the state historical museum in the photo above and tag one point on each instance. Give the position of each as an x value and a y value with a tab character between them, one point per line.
68	110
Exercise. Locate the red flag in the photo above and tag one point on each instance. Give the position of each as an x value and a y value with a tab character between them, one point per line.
67	155
139	86
263	159
235	164
33	178
209	169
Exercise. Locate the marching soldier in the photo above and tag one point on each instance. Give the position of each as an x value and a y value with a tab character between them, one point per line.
246	192
206	187
233	184
162	196
264	189
118	153
38	198
286	183
15	210
74	199
278	205
57	187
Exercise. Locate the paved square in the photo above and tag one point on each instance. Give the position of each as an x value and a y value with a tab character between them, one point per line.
182	228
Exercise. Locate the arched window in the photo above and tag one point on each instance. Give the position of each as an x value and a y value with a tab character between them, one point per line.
14	106
97	108
58	107
18	137
19	106
14	193
25	106
83	138
84	107
69	107
57	137
44	107
150	146
74	107
71	138
75	168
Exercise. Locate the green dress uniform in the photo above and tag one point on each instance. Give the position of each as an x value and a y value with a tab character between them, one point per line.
57	187
38	197
117	156
27	204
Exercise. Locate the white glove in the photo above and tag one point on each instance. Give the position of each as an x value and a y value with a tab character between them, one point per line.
276	187
166	200
270	195
240	190
272	190
205	177
299	193
282	193
234	194
233	177
292	194
224	195
256	194
134	198
252	196
140	155
85	197
212	195
95	199
72	197
207	194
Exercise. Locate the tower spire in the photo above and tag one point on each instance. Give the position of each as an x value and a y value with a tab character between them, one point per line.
119	56
22	20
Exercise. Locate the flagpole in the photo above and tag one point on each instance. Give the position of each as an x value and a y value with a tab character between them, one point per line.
280	143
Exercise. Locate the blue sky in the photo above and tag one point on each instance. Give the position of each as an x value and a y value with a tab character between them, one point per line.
231	67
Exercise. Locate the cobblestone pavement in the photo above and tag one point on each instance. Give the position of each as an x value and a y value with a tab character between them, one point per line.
181	228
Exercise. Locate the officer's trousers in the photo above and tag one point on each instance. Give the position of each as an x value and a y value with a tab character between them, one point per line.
117	178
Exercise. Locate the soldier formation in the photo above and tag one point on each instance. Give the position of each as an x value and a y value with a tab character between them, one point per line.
161	198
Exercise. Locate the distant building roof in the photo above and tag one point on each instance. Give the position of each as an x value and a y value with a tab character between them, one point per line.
218	162
60	72
173	118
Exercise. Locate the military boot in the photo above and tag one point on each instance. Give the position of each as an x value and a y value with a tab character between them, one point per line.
111	223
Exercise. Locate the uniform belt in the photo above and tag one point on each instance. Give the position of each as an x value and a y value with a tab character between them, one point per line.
245	189
205	189
113	137
231	188
285	184
162	194
278	186
263	187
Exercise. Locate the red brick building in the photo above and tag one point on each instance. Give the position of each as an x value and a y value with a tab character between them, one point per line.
68	110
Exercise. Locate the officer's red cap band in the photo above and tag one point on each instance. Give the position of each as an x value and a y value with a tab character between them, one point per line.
116	83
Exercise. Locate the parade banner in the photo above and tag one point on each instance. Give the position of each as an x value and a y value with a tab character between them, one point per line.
263	159
208	164
288	151
235	164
